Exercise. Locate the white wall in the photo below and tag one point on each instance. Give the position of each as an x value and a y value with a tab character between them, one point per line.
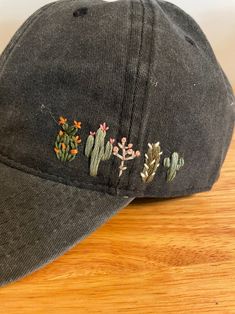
216	18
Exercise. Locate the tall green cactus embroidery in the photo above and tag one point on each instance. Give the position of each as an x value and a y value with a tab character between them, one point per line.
96	149
66	144
173	165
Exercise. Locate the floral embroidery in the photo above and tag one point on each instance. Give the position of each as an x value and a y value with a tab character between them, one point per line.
127	154
151	164
66	144
77	124
173	165
96	149
62	121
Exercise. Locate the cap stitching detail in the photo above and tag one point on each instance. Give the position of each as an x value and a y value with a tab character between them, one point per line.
147	81
125	83
135	87
38	172
70	218
138	66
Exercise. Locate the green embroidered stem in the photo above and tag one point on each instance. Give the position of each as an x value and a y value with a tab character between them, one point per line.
66	144
96	149
108	151
89	145
173	165
151	164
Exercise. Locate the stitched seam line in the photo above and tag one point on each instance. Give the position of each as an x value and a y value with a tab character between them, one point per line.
23	29
86	184
124	91
138	68
146	87
38	172
135	90
41	238
137	76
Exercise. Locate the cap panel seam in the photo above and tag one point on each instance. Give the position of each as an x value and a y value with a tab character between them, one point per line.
21	167
125	84
51	177
144	103
136	78
138	67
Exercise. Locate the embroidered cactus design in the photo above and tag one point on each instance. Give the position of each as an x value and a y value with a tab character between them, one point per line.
96	149
127	154
151	164
173	165
66	144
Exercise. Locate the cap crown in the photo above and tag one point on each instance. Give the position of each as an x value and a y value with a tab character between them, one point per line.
144	68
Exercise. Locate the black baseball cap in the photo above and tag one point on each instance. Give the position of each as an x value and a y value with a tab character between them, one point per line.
100	103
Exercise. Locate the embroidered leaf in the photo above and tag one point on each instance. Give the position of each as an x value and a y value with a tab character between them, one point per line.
152	159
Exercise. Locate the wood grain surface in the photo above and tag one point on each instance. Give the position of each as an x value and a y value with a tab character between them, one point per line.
155	256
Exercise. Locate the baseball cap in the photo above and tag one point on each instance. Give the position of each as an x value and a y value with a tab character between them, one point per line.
100	103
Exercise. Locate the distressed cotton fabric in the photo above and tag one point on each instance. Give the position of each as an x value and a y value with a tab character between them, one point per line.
144	68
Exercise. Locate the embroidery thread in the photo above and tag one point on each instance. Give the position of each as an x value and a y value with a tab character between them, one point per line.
66	144
152	159
96	149
173	164
127	154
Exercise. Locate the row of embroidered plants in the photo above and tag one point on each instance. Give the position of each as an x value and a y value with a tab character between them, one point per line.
66	149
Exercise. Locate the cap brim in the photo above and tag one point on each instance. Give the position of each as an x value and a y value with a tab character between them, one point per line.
41	219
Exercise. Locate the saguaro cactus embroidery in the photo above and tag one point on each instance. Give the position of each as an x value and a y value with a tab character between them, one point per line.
151	164
127	154
66	144
173	165
96	149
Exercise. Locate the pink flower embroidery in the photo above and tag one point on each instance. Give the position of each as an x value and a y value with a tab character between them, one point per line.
104	127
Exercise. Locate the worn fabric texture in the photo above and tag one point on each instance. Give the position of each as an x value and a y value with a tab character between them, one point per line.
42	219
142	66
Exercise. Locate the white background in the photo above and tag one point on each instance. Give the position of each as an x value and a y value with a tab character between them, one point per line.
216	18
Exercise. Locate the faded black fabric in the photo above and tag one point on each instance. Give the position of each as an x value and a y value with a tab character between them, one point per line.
146	69
104	66
42	219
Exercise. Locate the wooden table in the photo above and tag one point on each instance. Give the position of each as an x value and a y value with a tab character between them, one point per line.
170	256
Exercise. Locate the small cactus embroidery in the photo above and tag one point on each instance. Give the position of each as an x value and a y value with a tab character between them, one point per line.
96	149
173	165
127	154
152	158
67	140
